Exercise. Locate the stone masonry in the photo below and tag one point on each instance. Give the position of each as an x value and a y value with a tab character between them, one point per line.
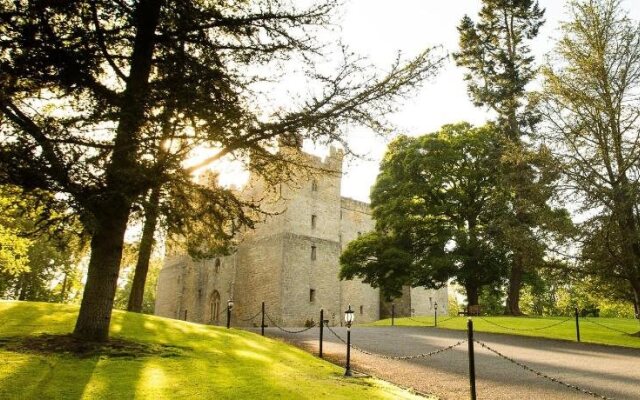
290	261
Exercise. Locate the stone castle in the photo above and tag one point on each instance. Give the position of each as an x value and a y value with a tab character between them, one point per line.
290	261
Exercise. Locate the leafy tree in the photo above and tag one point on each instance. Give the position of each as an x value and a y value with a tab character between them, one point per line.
591	105
495	51
438	209
50	251
92	91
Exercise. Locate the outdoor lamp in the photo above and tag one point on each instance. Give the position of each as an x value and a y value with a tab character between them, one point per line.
229	307
348	316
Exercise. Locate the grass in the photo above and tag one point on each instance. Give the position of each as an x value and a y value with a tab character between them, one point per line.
589	332
208	362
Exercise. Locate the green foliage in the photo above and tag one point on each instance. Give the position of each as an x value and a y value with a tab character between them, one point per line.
437	210
14	258
590	104
47	247
224	364
496	53
452	304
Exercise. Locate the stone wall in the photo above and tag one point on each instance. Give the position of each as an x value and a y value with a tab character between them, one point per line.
274	263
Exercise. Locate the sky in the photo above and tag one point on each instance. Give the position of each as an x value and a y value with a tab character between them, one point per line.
379	29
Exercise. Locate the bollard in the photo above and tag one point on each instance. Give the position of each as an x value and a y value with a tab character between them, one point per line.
472	362
228	317
577	326
321	329
435	317
393	314
262	323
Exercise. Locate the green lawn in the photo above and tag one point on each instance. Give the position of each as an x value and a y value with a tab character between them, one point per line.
211	363
589	332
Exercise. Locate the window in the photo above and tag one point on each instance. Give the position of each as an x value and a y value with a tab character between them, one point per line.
361	310
314	185
312	295
314	219
340	214
185	315
313	252
217	265
431	303
215	307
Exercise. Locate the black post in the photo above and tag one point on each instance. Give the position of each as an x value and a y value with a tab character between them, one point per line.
472	362
321	330
262	323
228	317
393	314
435	317
577	326
347	371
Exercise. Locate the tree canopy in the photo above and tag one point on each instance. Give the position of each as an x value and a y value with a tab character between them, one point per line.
439	213
92	91
592	109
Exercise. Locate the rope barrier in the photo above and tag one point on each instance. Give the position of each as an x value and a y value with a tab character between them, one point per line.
425	323
542	374
526	329
286	330
411	357
250	319
608	327
420	322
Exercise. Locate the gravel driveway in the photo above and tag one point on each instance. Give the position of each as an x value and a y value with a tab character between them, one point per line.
609	371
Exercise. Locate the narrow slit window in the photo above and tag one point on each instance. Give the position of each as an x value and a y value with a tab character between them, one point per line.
312	295
314	220
314	185
313	252
361	310
217	265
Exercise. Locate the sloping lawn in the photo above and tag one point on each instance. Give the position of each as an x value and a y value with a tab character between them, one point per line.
202	362
611	331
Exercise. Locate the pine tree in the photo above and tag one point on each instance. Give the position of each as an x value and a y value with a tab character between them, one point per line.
92	90
495	51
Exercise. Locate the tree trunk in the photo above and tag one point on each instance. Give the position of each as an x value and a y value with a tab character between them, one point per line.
111	210
102	278
472	294
515	284
636	297
23	286
63	291
144	253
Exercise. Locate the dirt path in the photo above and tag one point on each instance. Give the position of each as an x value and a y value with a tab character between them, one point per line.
609	371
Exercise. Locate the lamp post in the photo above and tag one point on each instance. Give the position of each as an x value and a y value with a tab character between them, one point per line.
435	314
229	307
348	318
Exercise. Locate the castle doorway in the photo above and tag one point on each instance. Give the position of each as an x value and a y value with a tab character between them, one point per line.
215	307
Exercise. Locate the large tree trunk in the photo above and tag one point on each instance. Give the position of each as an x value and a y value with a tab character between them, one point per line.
472	294
102	278
515	284
111	212
144	253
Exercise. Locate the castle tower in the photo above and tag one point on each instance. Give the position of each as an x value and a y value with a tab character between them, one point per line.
290	261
